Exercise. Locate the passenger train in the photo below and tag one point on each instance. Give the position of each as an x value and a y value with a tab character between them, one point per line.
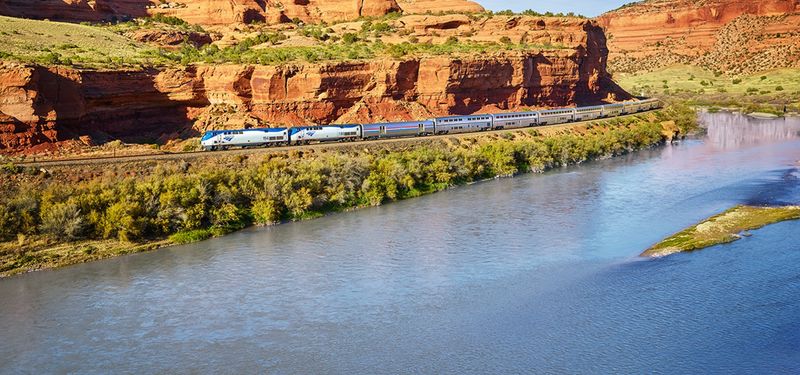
260	137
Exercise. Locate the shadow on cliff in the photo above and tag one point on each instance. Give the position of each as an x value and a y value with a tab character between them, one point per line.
595	85
104	106
77	11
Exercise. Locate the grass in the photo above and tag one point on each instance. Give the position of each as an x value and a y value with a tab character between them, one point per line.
191	236
723	228
41	254
766	92
57	43
685	78
104	47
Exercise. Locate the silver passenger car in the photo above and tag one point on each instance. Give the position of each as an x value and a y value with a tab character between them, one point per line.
397	129
556	116
588	113
611	110
515	120
462	124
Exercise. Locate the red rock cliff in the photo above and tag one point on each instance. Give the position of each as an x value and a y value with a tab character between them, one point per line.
44	106
223	12
722	34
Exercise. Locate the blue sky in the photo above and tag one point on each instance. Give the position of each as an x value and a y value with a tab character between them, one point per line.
588	8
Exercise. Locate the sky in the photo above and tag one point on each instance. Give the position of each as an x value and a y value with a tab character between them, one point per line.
589	8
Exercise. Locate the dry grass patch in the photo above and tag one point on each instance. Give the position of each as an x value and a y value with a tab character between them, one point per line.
723	228
59	43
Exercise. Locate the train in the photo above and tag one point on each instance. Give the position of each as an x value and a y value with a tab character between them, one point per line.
213	140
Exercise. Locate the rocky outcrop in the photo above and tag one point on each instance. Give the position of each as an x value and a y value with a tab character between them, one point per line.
224	12
169	38
44	106
656	33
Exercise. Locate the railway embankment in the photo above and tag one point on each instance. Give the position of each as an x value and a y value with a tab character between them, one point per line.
77	213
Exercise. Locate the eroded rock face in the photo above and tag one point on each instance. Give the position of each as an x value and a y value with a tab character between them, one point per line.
224	12
42	105
722	33
438	6
45	106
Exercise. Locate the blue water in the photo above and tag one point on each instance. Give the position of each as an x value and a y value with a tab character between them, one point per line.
539	273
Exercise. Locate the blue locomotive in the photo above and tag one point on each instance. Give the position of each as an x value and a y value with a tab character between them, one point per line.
264	137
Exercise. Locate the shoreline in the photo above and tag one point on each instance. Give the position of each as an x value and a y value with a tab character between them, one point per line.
378	188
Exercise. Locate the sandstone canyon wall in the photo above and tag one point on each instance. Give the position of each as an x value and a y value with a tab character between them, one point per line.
223	12
734	36
43	106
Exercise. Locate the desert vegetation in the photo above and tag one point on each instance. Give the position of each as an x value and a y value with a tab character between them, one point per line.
110	46
46	222
768	92
40	42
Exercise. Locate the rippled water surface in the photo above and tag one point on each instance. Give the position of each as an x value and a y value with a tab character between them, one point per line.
532	274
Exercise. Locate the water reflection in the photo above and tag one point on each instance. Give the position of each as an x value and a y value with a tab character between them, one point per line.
734	130
532	274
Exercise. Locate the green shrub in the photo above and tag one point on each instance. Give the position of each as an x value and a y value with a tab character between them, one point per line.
19	215
126	221
63	222
349	38
169	20
737	81
265	211
228	218
51	58
779	88
11	168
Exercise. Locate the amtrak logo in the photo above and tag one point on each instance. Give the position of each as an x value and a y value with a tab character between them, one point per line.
310	133
228	138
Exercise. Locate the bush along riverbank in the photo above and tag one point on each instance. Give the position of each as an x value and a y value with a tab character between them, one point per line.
72	215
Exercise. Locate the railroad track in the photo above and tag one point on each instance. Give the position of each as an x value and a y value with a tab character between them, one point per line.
188	155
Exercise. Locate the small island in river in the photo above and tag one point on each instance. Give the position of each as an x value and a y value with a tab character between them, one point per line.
723	228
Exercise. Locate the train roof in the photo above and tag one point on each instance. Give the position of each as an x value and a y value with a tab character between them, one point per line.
325	126
557	109
399	123
515	113
268	130
463	116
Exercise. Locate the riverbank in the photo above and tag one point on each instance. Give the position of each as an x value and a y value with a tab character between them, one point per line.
726	227
75	214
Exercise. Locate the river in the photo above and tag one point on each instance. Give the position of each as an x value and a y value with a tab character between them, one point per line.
539	273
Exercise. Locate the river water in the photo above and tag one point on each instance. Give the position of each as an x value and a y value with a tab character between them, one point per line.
537	273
